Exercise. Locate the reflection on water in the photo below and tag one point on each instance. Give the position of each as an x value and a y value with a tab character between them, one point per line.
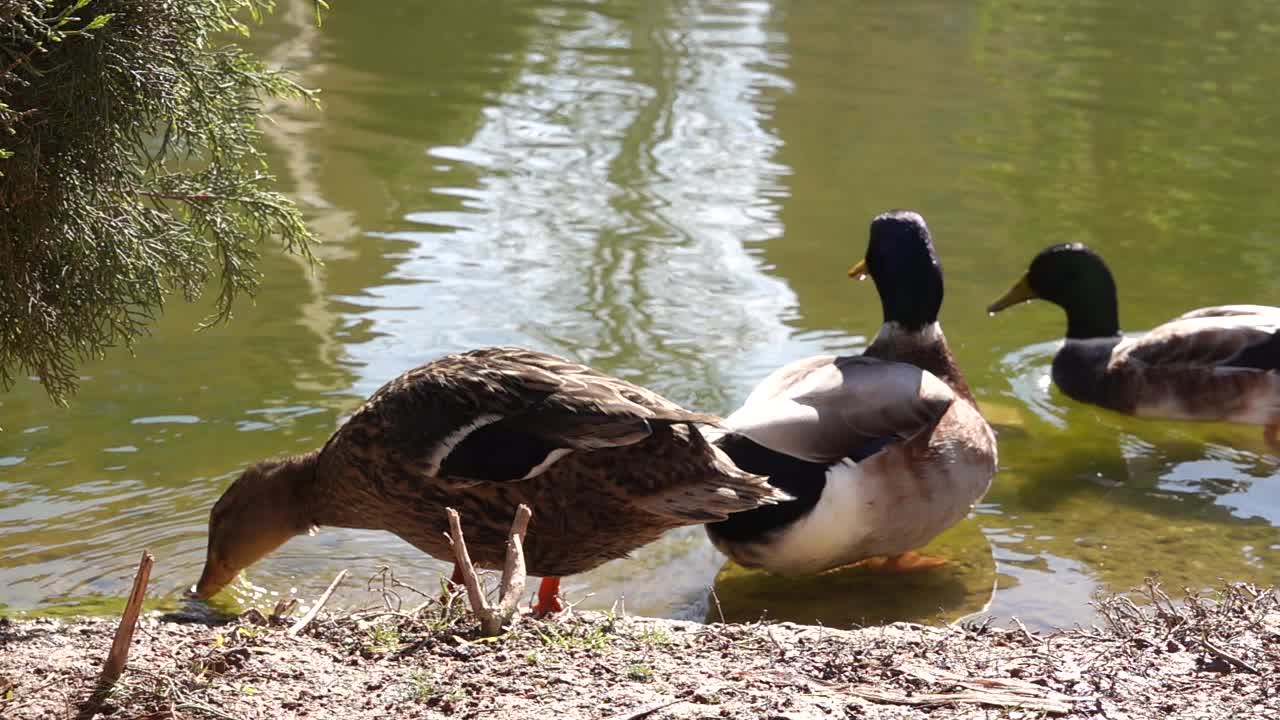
672	191
856	596
1027	371
1103	499
610	189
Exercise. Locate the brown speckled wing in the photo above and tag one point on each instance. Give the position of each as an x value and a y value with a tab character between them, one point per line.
605	465
500	414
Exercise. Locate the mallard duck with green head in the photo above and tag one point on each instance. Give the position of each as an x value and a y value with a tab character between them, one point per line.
606	466
882	451
1212	363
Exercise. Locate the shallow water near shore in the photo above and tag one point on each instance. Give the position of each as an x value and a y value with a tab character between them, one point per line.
672	192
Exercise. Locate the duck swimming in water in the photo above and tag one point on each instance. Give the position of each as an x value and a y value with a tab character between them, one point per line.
1212	363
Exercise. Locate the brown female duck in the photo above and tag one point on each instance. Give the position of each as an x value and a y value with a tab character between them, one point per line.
606	466
1213	363
882	451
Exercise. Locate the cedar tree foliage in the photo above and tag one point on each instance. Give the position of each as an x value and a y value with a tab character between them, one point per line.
129	170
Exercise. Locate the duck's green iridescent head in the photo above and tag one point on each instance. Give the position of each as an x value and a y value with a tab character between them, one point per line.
904	266
1074	278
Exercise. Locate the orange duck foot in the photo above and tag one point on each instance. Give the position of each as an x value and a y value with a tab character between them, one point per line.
548	601
908	562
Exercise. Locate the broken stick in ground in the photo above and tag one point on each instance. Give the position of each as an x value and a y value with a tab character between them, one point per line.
118	657
493	619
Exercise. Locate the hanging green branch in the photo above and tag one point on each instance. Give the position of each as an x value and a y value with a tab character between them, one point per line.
130	170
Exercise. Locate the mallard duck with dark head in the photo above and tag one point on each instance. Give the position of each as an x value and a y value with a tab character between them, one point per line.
1212	363
882	451
607	466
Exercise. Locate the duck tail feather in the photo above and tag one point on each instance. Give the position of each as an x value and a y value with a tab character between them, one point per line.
733	490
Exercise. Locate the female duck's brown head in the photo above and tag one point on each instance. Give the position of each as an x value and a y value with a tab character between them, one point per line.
262	509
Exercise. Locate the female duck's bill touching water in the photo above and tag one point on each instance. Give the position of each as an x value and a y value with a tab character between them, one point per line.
1213	363
606	466
882	451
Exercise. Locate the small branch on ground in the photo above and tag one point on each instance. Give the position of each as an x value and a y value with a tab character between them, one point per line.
513	571
388	583
995	692
492	619
964	697
118	657
315	609
1221	654
644	710
470	580
716	599
283	609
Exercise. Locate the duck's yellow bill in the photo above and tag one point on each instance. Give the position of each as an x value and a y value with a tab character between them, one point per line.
859	271
1020	292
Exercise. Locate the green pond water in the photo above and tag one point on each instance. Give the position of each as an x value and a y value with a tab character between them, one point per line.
672	191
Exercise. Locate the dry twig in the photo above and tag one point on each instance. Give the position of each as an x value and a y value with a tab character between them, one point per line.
974	697
716	599
315	609
118	657
492	619
644	710
282	610
998	692
1221	654
119	654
